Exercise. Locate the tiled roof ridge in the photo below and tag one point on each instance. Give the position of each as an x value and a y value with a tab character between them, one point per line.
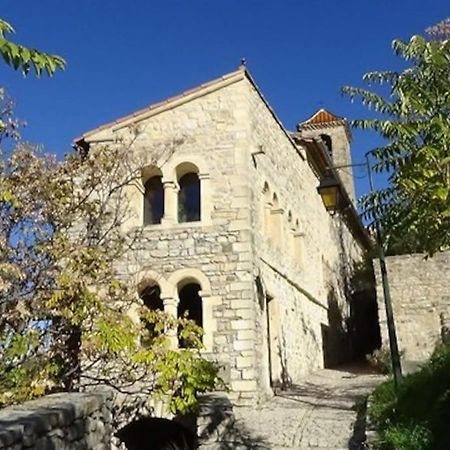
167	101
322	116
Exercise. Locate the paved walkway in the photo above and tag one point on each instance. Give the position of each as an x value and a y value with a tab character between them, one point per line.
317	414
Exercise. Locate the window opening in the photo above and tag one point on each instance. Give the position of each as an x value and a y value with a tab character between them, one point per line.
189	198
153	201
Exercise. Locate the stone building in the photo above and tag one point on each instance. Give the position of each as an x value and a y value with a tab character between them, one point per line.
235	232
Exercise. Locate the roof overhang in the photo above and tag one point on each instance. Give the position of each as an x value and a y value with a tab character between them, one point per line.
318	157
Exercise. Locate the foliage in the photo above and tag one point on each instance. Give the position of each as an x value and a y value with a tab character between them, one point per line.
414	120
65	304
441	30
25	58
418	416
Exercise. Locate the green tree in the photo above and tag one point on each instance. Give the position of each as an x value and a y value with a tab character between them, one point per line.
64	305
25	58
414	120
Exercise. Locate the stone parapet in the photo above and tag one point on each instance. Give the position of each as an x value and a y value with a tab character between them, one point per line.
59	421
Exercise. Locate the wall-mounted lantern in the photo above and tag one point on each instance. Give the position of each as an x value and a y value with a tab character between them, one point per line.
330	191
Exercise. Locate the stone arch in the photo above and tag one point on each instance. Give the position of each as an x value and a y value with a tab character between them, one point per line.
189	275
169	170
150	171
147	276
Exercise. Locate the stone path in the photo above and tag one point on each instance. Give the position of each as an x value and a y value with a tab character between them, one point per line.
317	414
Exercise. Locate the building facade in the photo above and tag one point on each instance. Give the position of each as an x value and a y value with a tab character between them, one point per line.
235	232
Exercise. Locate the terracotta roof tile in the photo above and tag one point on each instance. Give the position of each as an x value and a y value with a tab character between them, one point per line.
322	116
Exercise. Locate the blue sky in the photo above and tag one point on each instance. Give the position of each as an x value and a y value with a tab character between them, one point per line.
123	56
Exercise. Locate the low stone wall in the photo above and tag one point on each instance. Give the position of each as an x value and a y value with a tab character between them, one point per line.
420	290
75	421
89	421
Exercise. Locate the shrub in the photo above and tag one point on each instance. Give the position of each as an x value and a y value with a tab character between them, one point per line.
416	417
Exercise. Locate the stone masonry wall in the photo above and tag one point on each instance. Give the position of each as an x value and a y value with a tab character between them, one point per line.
215	252
420	291
304	270
306	262
60	421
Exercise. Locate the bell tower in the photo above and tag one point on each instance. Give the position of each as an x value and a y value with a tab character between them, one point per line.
335	134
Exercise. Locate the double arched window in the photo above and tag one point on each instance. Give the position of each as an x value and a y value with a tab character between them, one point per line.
178	199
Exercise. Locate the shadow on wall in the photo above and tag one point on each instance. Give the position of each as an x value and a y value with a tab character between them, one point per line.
152	433
218	429
286	380
335	335
365	328
364	321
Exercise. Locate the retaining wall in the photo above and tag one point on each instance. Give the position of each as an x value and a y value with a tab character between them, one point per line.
420	290
75	421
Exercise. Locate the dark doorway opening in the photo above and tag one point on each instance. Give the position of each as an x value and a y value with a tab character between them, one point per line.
366	336
152	433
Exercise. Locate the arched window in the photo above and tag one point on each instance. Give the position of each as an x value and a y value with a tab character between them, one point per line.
189	198
153	200
328	144
190	306
151	297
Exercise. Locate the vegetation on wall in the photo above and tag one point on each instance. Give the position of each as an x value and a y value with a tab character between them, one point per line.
64	306
414	120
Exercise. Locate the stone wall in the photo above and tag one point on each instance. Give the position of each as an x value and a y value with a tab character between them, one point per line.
420	291
75	421
214	252
90	421
306	262
300	262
